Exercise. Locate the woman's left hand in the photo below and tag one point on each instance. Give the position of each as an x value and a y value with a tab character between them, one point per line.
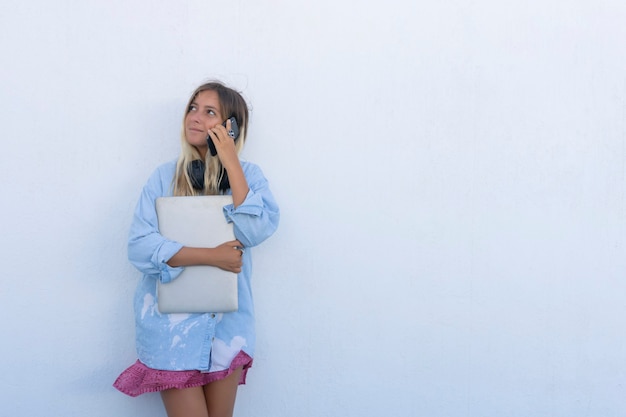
227	153
224	145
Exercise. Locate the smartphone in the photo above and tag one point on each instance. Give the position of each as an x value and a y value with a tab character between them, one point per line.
233	133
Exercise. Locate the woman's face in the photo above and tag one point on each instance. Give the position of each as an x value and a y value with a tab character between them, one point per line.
204	113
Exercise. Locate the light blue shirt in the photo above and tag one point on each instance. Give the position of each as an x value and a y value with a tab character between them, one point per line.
206	342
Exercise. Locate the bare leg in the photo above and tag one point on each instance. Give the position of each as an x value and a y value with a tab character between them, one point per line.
220	395
187	402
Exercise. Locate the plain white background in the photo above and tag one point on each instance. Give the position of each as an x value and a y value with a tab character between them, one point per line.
451	177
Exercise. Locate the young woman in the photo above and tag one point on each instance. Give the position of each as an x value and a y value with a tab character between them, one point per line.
197	361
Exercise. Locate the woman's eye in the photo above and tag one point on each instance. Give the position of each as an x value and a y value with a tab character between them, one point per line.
211	112
191	108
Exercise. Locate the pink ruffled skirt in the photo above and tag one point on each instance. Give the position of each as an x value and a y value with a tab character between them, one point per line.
139	379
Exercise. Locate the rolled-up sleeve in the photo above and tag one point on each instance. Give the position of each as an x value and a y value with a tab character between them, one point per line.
257	217
148	250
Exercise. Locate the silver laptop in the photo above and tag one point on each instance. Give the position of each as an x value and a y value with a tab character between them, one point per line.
197	222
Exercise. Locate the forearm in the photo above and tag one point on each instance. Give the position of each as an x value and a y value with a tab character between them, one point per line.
258	216
238	183
226	256
187	256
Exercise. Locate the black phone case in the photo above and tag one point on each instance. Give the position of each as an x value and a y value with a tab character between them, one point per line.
233	133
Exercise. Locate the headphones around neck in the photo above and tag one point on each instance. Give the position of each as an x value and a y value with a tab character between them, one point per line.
196	173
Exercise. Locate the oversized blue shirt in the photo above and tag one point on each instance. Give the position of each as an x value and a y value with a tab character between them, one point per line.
206	342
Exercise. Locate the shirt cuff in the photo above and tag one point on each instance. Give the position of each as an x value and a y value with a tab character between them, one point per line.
164	254
252	205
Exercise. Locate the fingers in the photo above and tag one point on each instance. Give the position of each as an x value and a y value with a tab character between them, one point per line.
219	132
231	265
236	266
231	256
223	136
239	248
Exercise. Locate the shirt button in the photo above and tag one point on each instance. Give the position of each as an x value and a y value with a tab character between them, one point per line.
212	315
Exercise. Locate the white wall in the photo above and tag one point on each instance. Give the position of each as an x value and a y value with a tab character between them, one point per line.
452	182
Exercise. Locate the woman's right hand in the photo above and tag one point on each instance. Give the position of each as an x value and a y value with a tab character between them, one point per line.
228	256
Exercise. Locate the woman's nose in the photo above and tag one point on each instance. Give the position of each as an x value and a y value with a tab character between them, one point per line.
195	117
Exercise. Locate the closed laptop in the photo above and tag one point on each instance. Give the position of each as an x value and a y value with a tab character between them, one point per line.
197	221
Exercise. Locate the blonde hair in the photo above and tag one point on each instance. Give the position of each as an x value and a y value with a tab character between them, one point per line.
232	105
